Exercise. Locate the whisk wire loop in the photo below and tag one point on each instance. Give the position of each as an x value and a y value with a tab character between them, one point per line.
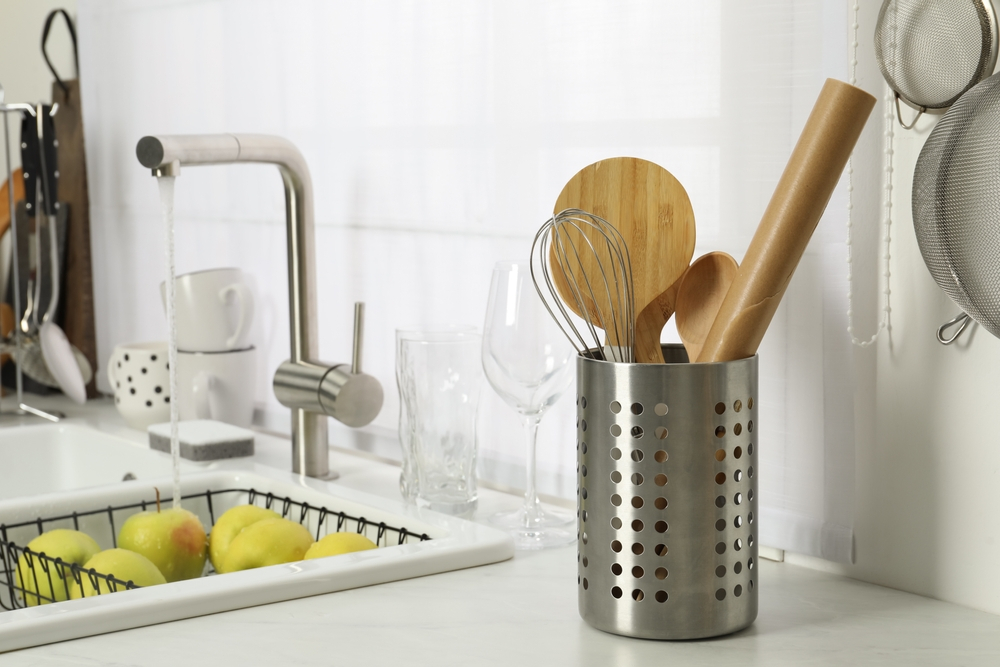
592	258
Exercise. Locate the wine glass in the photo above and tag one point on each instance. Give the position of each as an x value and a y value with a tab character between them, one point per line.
528	361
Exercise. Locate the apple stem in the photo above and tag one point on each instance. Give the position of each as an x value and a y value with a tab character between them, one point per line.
157	499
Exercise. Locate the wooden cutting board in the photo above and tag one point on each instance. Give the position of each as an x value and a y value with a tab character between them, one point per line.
652	211
78	318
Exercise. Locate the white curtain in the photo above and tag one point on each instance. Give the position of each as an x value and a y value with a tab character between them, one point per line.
439	134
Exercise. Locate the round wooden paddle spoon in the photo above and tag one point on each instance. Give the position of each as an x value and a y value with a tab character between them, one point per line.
651	210
699	296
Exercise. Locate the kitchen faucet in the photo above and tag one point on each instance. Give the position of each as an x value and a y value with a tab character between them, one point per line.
311	388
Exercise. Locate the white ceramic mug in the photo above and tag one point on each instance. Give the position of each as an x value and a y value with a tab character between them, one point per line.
217	385
140	377
213	310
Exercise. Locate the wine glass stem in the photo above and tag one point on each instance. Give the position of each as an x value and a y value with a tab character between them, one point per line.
532	508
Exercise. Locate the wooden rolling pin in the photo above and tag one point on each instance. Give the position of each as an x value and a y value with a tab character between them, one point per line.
791	217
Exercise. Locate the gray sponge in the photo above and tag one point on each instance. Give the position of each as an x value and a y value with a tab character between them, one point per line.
204	440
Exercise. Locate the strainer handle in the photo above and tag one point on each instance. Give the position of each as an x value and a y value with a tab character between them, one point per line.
962	318
899	117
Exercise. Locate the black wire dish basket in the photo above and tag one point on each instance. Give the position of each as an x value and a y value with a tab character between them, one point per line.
29	578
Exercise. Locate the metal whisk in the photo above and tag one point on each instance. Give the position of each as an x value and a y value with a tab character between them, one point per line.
580	263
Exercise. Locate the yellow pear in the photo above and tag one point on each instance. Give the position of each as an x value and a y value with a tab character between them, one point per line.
267	542
335	544
229	526
174	540
43	577
121	564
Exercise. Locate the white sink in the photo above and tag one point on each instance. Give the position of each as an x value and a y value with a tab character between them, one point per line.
413	542
62	457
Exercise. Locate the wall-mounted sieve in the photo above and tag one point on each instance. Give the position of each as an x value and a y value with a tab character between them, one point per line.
668	496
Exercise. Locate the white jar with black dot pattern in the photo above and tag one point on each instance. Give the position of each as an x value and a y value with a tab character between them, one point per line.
667	496
140	377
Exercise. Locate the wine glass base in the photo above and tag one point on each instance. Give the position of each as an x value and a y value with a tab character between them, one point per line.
525	540
538	529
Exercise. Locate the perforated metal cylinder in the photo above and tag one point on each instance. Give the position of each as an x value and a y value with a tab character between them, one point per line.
667	496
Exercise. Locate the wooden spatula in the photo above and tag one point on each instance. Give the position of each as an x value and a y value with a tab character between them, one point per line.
652	211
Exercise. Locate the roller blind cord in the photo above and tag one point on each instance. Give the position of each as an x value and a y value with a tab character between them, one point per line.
888	137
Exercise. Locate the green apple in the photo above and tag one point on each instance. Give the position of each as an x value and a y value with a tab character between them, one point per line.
174	540
229	526
74	547
121	564
335	544
267	542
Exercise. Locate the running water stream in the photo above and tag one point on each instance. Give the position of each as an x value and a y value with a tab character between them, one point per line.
166	184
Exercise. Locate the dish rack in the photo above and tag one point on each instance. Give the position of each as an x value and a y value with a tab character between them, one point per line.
101	524
413	542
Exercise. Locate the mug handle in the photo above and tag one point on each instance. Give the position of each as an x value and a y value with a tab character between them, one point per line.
112	378
201	391
245	299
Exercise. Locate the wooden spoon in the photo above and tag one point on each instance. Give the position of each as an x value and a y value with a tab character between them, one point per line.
5	199
6	325
701	292
6	312
652	211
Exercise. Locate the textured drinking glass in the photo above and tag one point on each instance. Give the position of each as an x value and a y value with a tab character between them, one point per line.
440	377
527	361
408	481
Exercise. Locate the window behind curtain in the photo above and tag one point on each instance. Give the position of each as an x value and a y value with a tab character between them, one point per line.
439	134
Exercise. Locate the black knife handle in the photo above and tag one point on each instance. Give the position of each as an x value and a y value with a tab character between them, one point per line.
30	160
50	162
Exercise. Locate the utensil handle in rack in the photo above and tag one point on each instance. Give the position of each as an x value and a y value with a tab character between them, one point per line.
650	322
796	206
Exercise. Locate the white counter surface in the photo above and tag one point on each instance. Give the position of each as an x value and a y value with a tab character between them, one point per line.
524	611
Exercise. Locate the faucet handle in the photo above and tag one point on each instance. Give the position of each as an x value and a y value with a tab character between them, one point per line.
359	333
341	391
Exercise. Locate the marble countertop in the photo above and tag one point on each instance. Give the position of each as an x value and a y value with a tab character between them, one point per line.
524	611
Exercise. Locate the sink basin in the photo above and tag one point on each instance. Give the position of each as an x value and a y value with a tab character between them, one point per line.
412	542
61	457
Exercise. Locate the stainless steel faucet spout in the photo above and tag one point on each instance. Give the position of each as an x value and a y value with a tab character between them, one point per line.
166	154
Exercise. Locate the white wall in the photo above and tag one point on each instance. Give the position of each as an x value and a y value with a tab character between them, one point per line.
927	481
928	448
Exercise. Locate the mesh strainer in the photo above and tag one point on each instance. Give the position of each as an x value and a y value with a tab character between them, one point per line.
932	51
956	203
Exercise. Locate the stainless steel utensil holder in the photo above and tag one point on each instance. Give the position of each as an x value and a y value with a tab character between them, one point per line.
667	497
